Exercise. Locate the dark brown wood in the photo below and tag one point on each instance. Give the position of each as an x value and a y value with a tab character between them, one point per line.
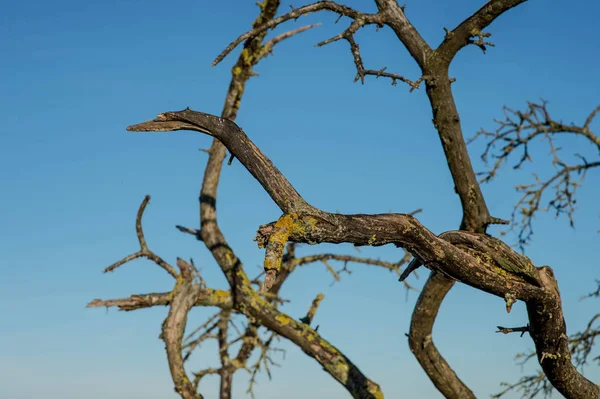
245	298
460	36
314	226
548	330
469	256
420	338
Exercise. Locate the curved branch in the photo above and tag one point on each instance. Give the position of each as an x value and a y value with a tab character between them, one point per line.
421	343
174	327
340	9
476	216
552	344
393	15
460	36
446	120
315	226
228	133
580	344
244	297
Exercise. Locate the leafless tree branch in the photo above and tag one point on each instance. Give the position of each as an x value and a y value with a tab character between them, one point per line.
294	14
508	330
312	310
517	132
473	26
421	343
204	297
468	256
304	223
580	344
359	20
144	252
174	327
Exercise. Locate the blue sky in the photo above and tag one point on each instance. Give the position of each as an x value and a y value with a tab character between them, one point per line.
75	74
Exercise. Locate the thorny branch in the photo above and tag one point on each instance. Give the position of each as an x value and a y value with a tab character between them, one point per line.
473	26
268	46
294	14
529	386
361	72
514	136
359	20
264	361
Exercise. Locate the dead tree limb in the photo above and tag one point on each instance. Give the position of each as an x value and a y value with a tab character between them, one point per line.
244	297
514	136
304	223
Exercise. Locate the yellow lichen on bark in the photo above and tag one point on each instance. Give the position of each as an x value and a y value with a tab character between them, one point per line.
283	320
286	225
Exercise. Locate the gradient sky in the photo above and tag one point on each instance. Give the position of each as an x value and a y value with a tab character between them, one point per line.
74	74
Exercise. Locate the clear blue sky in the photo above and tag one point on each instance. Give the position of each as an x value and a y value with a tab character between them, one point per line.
74	74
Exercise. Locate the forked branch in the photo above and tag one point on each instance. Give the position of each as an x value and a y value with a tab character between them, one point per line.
514	136
144	252
473	26
331	6
389	13
307	224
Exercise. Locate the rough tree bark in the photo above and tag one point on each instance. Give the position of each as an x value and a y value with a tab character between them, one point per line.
469	255
434	65
482	264
257	306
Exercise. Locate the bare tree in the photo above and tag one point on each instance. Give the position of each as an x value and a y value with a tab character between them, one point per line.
467	255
